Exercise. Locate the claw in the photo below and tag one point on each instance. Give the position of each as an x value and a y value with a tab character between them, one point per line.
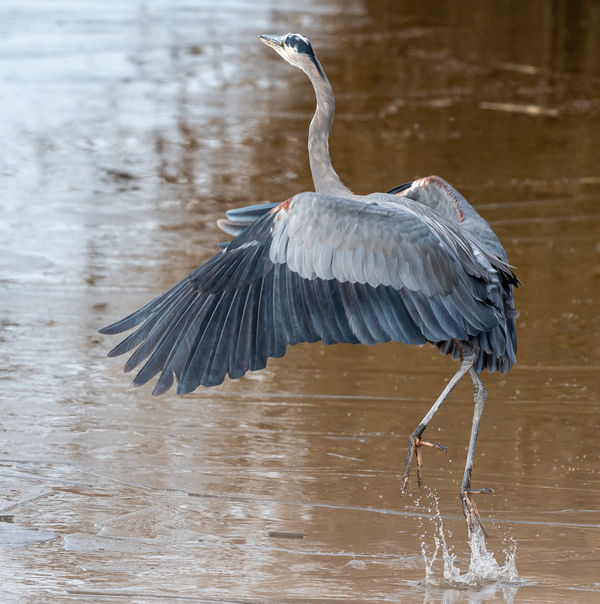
470	511
414	446
430	443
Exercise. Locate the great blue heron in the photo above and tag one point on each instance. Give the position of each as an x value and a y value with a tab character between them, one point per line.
414	265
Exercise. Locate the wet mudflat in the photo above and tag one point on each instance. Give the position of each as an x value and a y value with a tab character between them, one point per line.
127	129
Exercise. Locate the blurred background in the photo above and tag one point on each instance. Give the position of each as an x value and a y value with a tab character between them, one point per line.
126	130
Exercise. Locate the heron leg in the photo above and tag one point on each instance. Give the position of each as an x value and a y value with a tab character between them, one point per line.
470	510
469	356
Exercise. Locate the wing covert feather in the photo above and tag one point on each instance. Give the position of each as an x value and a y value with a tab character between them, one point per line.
378	242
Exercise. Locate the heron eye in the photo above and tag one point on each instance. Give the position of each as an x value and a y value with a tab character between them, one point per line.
294	43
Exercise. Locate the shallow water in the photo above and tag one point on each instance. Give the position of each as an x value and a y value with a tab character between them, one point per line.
127	129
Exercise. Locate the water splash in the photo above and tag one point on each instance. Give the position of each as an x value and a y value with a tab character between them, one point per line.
484	575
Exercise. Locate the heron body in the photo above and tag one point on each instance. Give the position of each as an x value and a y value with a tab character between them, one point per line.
415	265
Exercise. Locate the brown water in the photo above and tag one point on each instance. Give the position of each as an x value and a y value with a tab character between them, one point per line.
127	129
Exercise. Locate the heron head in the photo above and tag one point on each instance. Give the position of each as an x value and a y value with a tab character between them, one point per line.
294	48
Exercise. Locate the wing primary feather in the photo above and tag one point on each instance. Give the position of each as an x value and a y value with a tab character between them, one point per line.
244	270
223	277
162	348
157	330
194	323
261	327
216	367
168	346
237	369
243	349
139	315
193	370
175	344
135	338
164	383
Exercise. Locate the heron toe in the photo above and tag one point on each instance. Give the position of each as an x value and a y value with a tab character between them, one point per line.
470	511
415	444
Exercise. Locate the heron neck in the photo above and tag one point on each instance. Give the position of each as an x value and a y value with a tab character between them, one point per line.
325	178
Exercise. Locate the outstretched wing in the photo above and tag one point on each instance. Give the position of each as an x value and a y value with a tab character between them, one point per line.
314	268
439	195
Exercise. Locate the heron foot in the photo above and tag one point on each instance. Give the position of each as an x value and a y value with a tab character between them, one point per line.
470	511
414	447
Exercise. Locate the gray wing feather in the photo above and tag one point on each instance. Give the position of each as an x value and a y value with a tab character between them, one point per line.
381	242
391	275
442	197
